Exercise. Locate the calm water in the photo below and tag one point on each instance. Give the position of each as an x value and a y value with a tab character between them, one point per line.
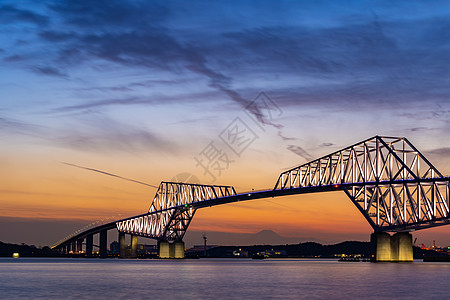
58	278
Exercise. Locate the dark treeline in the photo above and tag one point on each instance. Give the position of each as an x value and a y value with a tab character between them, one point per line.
302	250
7	250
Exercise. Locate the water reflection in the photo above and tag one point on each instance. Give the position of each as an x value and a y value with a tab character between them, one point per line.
219	279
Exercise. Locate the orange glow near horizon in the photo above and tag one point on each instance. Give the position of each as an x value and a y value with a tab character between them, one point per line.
39	187
289	215
200	82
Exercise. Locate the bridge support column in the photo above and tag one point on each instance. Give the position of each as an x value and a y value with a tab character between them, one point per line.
89	244
133	253
405	248
74	247
381	245
122	245
395	248
178	249
79	245
163	249
171	250
103	243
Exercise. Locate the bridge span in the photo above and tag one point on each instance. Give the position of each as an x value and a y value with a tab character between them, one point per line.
391	183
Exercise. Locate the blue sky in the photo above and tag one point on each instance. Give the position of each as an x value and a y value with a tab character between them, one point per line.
78	62
144	86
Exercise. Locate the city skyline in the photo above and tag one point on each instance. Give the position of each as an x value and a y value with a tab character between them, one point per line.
146	91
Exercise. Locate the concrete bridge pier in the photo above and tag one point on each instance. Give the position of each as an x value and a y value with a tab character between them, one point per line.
163	249
123	251
103	243
89	245
133	253
171	250
395	248
79	245
73	247
122	245
178	249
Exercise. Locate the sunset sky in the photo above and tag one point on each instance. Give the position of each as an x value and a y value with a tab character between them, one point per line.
146	89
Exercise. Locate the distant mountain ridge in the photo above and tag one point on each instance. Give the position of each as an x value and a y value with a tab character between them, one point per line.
263	237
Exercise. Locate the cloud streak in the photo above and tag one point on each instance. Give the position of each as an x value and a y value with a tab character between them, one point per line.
49	71
91	132
109	174
12	14
370	58
364	59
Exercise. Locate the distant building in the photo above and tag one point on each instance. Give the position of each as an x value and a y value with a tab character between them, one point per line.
240	253
200	249
273	253
144	250
114	248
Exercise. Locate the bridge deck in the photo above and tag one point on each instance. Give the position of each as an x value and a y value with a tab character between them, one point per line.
390	182
253	195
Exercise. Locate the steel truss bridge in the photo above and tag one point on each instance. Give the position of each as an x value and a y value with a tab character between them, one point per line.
390	182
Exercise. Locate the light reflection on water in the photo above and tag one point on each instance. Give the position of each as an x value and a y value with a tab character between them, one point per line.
57	278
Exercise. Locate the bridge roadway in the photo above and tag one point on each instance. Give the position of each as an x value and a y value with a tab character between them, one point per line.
391	183
70	243
253	195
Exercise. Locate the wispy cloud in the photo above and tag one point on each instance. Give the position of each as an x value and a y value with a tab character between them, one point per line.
90	133
13	126
45	70
99	133
105	14
139	41
326	145
300	152
363	59
14	58
103	103
12	14
371	58
440	151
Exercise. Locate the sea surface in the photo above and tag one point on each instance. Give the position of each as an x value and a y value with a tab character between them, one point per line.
77	278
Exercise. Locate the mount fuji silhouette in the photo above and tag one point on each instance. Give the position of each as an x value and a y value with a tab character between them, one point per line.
263	237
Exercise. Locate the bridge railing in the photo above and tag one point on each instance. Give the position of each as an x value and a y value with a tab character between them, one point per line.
86	228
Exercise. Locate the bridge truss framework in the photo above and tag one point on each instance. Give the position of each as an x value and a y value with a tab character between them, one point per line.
171	211
391	183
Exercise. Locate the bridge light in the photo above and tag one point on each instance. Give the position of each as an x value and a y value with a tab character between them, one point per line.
185	205
336	185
